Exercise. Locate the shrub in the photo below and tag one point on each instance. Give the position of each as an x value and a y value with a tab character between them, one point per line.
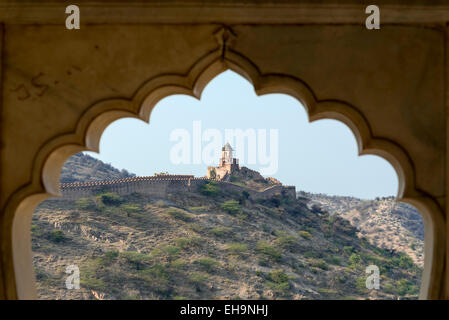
278	281
319	263
317	209
171	251
305	234
280	288
208	263
185	243
195	227
198	209
110	198
156	271
404	262
156	278
266	228
156	253
130	208
89	277
57	236
354	259
198	279
263	261
311	254
220	231
237	248
231	206
109	256
136	259
242	216
275	201
286	241
84	204
266	249
285	199
348	249
36	230
179	214
334	260
404	287
92	283
178	264
361	284
210	189
372	259
278	276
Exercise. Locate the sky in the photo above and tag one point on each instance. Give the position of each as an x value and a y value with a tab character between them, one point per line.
184	136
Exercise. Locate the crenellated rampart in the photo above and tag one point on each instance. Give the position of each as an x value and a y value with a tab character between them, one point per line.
161	185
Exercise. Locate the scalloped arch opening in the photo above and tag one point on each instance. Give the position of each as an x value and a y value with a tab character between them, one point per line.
93	122
206	109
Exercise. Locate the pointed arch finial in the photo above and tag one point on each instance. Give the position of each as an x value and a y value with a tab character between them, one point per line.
225	37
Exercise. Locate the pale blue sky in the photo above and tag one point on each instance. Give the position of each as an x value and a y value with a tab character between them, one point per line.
318	157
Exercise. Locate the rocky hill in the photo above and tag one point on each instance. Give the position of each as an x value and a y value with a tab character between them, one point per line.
82	168
209	244
384	221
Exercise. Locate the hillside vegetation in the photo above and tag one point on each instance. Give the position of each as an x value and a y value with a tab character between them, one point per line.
383	221
209	244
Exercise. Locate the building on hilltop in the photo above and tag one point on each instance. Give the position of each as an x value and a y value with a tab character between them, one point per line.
227	166
163	184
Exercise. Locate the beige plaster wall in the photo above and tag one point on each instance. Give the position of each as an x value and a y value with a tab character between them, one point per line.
61	88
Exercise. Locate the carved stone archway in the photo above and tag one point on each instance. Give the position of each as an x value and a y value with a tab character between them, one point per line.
217	49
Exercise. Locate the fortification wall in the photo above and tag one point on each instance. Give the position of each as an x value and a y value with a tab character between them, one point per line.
157	186
264	194
161	186
290	192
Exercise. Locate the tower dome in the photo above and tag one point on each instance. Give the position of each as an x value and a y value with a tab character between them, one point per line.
226	151
227	147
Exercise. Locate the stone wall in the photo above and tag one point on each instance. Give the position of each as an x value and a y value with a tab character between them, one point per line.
161	186
157	186
223	171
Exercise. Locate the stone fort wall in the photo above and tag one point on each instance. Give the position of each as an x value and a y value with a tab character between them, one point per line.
161	186
289	191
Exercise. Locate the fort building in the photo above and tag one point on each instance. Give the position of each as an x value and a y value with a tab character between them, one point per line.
227	165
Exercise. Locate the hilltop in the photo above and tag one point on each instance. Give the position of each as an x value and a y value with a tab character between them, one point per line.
209	244
83	168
